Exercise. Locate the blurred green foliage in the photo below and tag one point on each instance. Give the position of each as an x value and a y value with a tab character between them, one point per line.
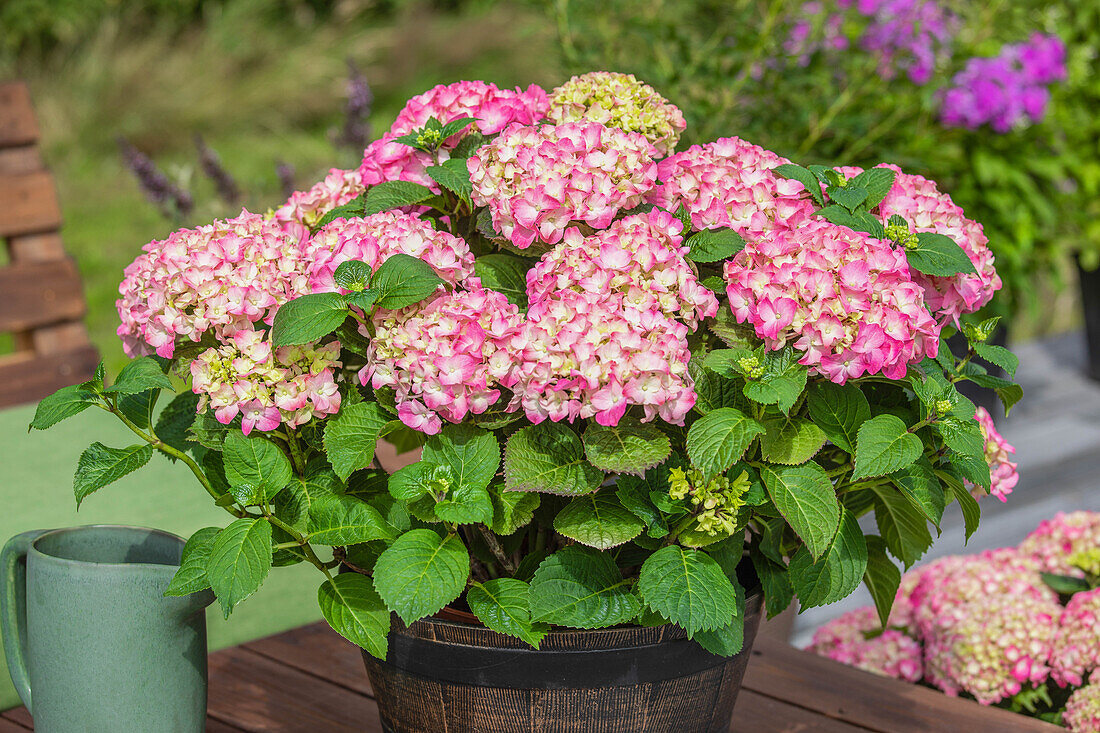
1034	189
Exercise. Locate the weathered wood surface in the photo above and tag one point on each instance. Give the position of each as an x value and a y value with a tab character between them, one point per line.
310	680
43	302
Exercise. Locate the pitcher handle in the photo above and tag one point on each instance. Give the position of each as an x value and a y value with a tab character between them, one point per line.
13	609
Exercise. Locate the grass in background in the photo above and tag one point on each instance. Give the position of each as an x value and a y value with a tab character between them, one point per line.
257	92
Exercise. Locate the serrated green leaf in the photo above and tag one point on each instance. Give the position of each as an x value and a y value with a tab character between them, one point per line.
176	417
633	493
421	572
452	175
790	441
998	355
775	582
971	512
919	483
598	520
504	605
718	439
240	558
393	194
191	576
836	214
712	245
308	318
255	461
139	375
581	588
726	641
851	196
713	391
962	436
882	578
208	432
903	527
782	382
354	610
415	480
350	210
468	145
511	509
1065	585
938	255
733	334
101	465
549	458
61	405
839	410
689	588
629	447
806	499
837	573
338	519
353	275
351	436
138	408
804	176
505	274
403	280
473	454
877	182
884	445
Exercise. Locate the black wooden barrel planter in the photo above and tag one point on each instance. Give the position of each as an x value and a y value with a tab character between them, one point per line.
447	675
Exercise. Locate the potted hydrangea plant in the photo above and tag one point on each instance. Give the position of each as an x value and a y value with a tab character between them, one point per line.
654	391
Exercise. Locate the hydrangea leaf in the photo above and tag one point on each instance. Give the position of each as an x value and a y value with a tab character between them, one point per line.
972	513
139	375
839	410
782	382
776	583
504	605
308	318
919	483
255	461
473	454
421	573
505	274
403	280
804	176
790	441
581	588
453	175
549	458
629	447
877	182
939	255
718	439
353	608
884	445
689	588
393	194
725	641
634	494
350	437
598	520
805	497
174	420
511	509
713	391
240	559
903	527
191	576
63	404
882	577
338	519
101	465
850	196
837	573
712	245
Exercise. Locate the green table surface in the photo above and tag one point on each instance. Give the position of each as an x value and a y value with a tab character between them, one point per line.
36	492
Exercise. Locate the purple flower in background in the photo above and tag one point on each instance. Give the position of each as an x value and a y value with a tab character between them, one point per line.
802	41
1007	90
907	35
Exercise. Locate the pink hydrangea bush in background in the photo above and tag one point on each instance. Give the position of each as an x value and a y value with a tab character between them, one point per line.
990	627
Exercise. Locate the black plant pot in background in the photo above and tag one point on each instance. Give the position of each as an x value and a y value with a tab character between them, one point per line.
981	396
1090	304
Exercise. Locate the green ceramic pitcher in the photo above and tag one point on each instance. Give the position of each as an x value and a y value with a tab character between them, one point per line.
92	643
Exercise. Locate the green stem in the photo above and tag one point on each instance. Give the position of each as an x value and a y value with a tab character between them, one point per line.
495	548
303	541
296	455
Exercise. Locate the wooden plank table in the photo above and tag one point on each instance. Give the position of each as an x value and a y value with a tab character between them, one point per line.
310	680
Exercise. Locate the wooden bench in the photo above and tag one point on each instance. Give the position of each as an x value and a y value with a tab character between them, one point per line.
310	680
41	297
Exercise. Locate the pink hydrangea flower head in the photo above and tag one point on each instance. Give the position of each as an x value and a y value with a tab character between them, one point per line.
536	180
1076	650
494	109
219	277
641	257
307	207
730	183
997	452
901	613
842	298
1082	714
1056	540
375	238
586	355
445	358
267	387
618	100
949	584
920	202
857	639
992	647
